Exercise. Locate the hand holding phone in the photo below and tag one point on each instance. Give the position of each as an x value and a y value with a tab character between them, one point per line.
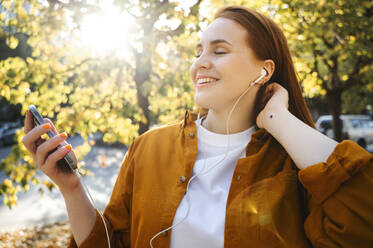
68	163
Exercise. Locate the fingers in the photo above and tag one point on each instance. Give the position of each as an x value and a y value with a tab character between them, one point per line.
274	87
50	163
29	121
268	93
54	130
33	135
265	99
278	92
43	150
271	88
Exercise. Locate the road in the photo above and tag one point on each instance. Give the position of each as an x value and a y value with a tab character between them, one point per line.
34	209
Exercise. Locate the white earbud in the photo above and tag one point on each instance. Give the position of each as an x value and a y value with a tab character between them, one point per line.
262	75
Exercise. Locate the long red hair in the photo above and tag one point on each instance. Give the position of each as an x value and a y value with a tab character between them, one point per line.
267	41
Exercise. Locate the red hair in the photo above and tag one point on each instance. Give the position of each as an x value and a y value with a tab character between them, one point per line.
267	41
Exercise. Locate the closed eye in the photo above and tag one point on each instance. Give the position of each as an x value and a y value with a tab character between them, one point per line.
198	55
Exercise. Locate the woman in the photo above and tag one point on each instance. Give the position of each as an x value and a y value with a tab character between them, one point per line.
262	175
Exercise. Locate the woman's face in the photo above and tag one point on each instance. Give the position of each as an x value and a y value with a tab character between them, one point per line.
224	67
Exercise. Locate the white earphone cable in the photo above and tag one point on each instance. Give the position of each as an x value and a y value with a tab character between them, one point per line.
204	164
94	205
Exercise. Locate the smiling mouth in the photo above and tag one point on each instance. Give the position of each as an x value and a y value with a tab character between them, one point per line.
202	81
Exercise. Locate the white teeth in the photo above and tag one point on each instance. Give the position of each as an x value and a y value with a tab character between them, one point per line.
206	80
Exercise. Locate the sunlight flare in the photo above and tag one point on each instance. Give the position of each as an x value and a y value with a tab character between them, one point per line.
107	31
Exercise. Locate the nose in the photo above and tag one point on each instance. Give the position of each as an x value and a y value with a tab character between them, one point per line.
203	61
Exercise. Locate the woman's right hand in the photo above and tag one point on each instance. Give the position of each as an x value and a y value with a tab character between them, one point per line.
46	160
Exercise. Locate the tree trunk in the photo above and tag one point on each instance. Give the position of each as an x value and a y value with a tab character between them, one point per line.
333	97
142	74
149	43
143	103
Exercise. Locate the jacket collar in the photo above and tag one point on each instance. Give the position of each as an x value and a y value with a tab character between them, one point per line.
260	135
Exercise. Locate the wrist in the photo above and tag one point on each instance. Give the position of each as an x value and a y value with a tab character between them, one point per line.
70	191
272	115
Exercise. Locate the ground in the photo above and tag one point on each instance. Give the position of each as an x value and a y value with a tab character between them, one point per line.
47	236
41	221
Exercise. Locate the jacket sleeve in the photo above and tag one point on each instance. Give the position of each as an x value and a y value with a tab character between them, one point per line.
117	212
341	198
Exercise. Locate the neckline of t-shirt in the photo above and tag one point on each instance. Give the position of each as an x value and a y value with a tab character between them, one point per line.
217	139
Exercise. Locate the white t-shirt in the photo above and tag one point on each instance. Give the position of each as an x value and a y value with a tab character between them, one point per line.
204	225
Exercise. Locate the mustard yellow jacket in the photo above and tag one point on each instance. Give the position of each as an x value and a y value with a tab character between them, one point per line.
270	202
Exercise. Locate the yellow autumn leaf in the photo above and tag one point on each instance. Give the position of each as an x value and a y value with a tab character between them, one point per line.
47	183
26	187
5	91
13	199
102	164
29	60
7	183
12	42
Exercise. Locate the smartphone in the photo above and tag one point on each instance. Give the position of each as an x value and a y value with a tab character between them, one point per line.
69	162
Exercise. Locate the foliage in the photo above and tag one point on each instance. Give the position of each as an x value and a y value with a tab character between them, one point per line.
330	35
81	91
332	42
43	63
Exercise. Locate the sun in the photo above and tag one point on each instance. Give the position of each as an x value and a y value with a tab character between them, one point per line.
107	30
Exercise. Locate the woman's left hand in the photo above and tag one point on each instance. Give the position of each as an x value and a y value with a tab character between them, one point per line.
275	97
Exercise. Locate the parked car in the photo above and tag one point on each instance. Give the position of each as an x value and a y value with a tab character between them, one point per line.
8	131
358	128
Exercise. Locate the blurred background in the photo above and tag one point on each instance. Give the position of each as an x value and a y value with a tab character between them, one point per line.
108	71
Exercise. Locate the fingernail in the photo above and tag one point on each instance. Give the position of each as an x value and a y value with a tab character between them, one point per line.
46	126
63	135
68	147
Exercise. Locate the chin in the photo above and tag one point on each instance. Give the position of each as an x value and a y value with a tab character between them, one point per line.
206	102
202	102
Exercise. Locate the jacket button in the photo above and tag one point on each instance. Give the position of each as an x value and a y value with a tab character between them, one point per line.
182	179
191	135
238	178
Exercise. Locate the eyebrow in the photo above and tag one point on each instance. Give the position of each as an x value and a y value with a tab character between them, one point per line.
213	42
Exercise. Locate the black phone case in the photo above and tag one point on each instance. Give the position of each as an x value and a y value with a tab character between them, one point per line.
66	164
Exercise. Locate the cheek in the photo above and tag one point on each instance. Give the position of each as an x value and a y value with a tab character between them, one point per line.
192	71
233	67
235	74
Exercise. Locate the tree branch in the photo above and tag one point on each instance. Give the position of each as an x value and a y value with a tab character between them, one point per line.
74	4
353	77
181	28
195	8
327	64
316	69
78	65
327	43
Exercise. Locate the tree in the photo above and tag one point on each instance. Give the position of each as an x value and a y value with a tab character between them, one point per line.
31	72
147	15
84	93
333	45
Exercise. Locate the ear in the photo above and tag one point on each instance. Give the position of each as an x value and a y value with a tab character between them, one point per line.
269	66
